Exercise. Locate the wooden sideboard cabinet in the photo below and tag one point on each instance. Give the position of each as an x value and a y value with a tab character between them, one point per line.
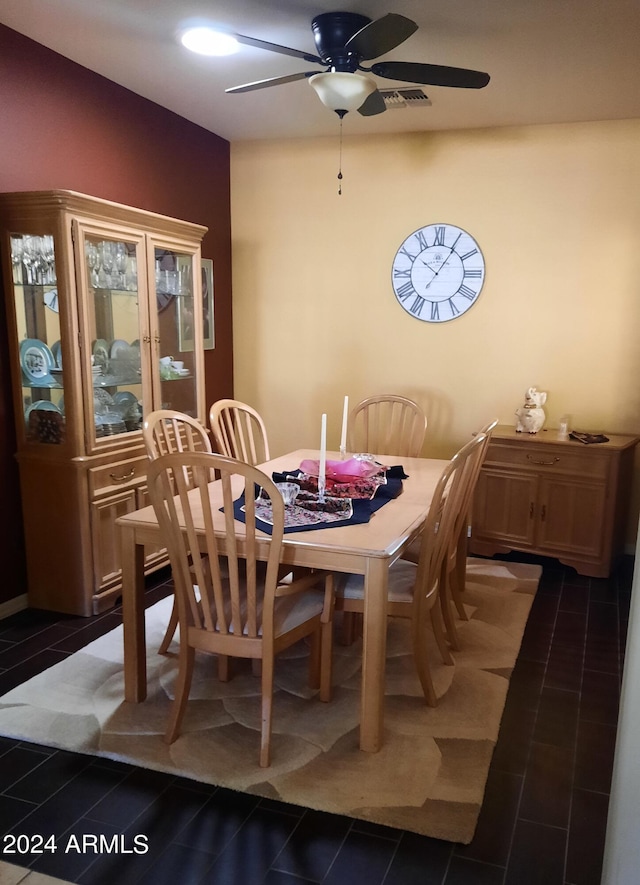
101	299
554	497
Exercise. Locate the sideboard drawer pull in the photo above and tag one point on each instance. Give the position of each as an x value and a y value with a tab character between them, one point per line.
543	463
124	478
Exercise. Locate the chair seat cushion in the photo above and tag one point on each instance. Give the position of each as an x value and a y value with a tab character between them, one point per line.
402	577
291	611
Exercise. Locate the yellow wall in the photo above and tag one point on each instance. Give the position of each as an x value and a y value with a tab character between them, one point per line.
556	212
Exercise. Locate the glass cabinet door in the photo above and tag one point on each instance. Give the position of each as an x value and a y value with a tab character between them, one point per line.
141	322
178	327
114	315
37	308
141	317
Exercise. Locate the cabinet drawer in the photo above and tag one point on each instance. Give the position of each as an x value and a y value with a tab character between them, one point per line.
592	465
118	475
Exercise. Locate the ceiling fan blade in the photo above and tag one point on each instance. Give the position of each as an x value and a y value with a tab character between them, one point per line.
431	75
272	81
381	36
374	104
275	47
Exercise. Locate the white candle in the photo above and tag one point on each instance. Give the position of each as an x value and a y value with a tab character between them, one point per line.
322	472
345	416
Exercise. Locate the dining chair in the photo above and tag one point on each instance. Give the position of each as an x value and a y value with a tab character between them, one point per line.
413	590
166	431
454	566
457	560
387	425
239	431
453	577
241	610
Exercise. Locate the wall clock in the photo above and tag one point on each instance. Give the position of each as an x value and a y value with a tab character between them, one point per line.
437	273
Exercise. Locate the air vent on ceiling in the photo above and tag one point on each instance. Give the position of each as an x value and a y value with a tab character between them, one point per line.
405	98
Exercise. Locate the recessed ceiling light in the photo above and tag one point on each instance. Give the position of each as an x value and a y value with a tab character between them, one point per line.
206	41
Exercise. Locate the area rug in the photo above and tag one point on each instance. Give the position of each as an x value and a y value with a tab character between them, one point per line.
429	777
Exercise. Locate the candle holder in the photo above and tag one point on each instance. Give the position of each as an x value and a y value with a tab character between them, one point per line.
343	453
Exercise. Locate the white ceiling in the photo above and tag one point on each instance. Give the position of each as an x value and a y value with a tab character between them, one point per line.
549	60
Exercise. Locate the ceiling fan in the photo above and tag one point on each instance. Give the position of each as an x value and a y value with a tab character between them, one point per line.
343	41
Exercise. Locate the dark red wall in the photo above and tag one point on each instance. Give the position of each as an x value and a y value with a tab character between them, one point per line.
62	126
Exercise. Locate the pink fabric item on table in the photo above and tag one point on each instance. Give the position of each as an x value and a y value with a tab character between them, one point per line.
343	471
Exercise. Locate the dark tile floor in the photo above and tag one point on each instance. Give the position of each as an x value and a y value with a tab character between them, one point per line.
543	818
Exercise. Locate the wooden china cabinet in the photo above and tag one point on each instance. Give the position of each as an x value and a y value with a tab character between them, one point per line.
102	325
555	497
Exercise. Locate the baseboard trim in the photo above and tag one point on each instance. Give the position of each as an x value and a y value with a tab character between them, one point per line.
17	604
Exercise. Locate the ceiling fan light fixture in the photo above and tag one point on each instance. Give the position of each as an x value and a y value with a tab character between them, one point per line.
342	91
207	41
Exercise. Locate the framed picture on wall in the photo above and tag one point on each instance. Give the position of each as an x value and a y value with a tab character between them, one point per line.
185	312
208	324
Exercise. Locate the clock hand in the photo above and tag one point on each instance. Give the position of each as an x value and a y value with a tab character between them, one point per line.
444	262
436	272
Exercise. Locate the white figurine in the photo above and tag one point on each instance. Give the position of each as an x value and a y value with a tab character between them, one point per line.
531	415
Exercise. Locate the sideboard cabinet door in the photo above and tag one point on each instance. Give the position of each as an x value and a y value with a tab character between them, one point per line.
505	507
572	517
554	497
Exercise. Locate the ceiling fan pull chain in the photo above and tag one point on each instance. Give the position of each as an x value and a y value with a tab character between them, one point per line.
340	163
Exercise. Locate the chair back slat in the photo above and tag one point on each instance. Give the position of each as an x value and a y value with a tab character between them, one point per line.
387	425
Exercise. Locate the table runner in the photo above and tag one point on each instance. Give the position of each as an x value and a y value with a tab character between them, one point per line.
301	519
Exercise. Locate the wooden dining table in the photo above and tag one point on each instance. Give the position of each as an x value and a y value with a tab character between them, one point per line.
368	549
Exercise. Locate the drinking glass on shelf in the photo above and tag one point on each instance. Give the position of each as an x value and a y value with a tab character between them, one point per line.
49	259
101	274
108	263
131	275
172	282
121	264
91	252
32	252
158	277
17	258
184	281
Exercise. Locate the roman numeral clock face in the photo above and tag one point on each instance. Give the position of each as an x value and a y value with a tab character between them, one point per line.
438	273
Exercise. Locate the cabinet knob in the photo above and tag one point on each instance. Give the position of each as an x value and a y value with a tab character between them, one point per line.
543	463
531	510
